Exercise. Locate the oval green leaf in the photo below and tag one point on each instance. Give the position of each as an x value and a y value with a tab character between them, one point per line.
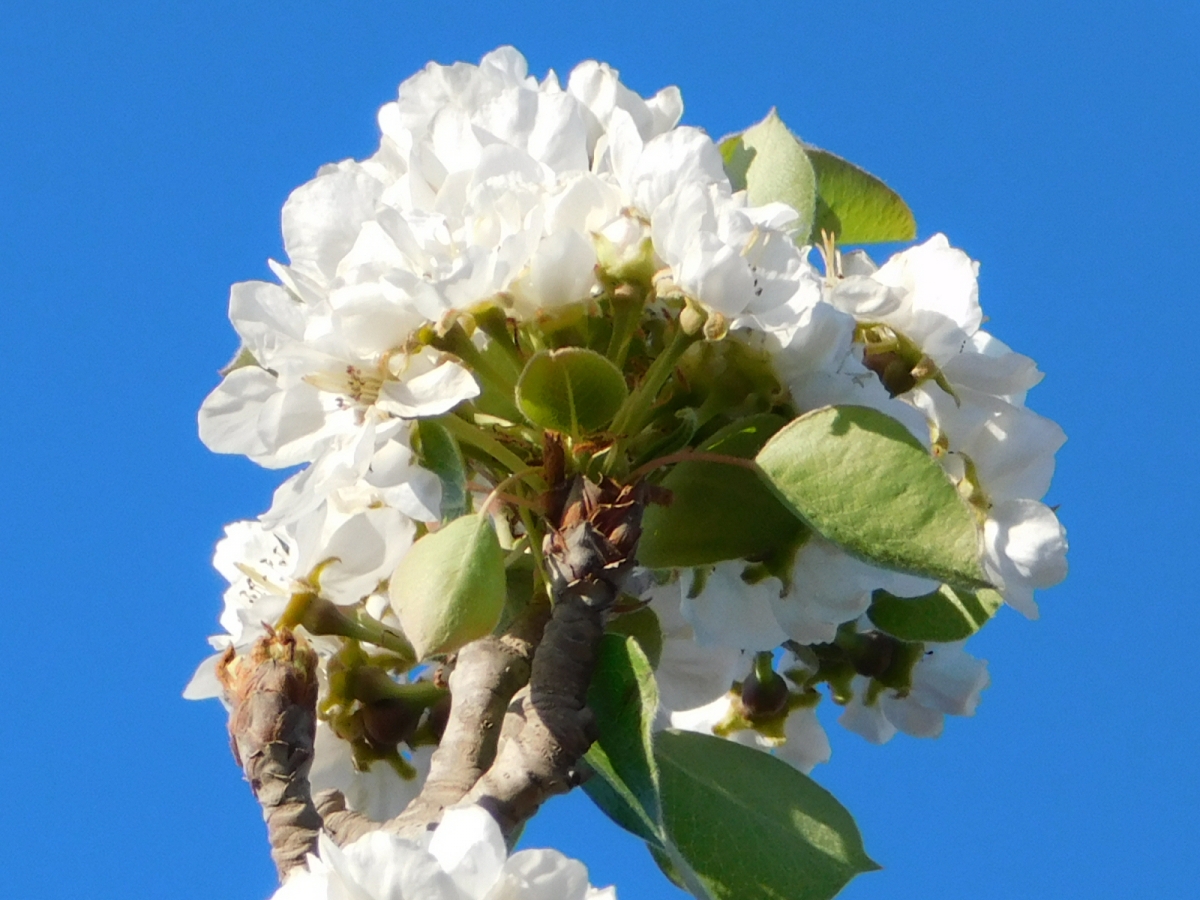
854	205
450	587
624	698
769	163
947	614
719	511
862	481
750	826
573	390
440	454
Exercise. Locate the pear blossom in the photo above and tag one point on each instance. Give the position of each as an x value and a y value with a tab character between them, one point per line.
688	674
380	790
945	681
971	390
267	565
465	859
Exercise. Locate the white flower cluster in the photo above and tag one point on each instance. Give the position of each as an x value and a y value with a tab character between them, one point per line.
465	860
491	188
487	186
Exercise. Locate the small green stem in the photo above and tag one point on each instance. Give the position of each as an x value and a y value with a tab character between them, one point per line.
764	667
630	419
498	490
498	387
627	312
371	685
472	434
687	455
320	616
535	542
375	632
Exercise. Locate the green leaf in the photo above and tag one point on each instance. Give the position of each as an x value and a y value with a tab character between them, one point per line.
750	826
719	511
769	162
862	481
948	614
856	206
624	697
643	626
573	390
450	587
440	454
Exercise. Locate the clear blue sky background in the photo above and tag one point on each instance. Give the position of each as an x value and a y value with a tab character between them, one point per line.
146	150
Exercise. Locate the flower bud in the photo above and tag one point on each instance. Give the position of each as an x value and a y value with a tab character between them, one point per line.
764	692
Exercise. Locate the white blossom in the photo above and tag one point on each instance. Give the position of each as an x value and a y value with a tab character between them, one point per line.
945	681
465	859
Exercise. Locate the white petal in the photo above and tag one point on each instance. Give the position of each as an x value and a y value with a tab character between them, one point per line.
228	417
867	721
690	675
807	743
429	394
266	318
321	219
728	612
382	866
1026	548
949	680
469	846
911	717
204	684
541	875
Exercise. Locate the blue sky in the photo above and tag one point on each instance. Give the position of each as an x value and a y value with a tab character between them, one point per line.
146	151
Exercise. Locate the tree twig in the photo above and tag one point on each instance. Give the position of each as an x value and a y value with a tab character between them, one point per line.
590	554
486	674
272	726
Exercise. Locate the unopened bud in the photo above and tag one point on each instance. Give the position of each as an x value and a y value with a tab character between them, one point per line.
764	692
388	722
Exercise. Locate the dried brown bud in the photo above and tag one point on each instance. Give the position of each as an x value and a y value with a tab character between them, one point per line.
272	692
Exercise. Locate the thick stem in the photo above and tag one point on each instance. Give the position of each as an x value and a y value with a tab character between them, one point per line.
272	726
343	825
590	553
541	760
486	675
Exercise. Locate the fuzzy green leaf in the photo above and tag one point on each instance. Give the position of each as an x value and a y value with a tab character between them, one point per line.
450	587
624	697
947	614
769	162
854	205
718	511
573	390
750	826
862	481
